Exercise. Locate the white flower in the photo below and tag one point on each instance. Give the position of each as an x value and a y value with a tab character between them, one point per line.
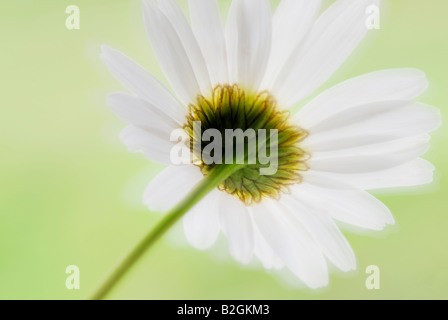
363	134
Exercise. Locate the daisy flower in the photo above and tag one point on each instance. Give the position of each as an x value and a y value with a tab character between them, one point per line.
366	133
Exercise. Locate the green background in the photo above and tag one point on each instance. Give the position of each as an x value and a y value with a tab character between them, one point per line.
70	192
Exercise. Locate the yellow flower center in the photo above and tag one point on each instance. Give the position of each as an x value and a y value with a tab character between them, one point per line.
232	108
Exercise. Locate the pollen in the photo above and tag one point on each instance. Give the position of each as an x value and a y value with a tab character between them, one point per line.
230	108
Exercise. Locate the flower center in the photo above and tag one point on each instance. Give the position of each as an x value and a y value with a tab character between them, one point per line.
268	144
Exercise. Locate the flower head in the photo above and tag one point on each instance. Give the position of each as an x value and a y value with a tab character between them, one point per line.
232	109
365	133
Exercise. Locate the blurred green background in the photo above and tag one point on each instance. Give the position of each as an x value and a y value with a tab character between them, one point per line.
70	193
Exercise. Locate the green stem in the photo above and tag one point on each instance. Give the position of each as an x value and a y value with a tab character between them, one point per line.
211	181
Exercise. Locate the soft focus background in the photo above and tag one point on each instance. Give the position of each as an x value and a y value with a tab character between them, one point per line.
70	193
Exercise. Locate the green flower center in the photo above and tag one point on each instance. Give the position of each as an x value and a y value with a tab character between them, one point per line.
231	108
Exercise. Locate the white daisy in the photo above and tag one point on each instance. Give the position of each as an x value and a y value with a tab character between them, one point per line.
363	134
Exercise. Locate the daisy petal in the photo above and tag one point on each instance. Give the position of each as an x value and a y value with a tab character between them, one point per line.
335	35
170	53
324	231
154	145
263	250
237	226
413	173
342	202
180	24
372	123
208	28
248	36
370	158
292	243
170	186
384	85
290	23
143	84
141	113
201	223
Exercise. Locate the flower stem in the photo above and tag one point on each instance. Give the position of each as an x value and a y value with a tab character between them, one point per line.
211	181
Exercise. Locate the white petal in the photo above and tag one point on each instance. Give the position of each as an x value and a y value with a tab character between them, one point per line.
369	158
201	223
180	24
414	173
263	250
372	123
155	145
290	23
335	35
248	36
323	230
137	80
343	202
141	113
170	53
170	186
237	226
384	85
292	243
208	28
